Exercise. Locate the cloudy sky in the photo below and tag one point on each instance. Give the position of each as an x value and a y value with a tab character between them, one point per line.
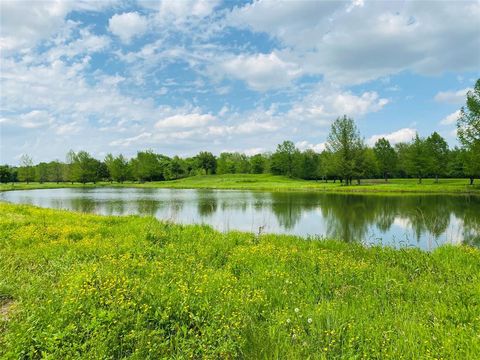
182	76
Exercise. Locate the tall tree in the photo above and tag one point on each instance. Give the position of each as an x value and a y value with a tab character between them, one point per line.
55	171
468	124
386	157
118	168
206	161
418	158
283	160
258	164
468	130
345	143
437	149
26	171
41	172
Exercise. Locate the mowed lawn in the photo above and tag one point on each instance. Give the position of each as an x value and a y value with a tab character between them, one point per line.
78	286
281	183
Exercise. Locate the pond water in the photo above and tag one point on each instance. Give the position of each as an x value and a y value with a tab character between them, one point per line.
397	220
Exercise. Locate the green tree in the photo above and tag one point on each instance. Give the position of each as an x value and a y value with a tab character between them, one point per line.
468	124
84	168
55	171
6	174
419	159
147	166
118	167
468	130
437	149
41	172
283	160
175	169
345	143
258	164
386	157
207	162
310	165
26	171
472	161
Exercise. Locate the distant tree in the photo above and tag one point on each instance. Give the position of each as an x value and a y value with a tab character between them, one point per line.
327	166
402	149
41	172
456	163
366	165
225	163
437	149
468	130
386	157
175	169
258	164
419	159
472	161
468	124
55	171
6	174
26	171
207	162
309	167
345	143
84	168
118	167
283	160
68	168
147	166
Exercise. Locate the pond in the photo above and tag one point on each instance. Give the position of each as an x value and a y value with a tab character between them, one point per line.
425	221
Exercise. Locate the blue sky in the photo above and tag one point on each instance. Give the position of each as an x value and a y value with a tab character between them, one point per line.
182	76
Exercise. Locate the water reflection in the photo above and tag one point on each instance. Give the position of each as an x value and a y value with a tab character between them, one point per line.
423	221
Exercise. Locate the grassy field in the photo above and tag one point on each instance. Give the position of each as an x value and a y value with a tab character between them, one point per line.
282	183
84	286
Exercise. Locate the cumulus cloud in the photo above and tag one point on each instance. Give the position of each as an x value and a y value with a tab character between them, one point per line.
402	135
452	97
24	23
262	71
354	44
305	145
127	25
451	118
185	121
324	104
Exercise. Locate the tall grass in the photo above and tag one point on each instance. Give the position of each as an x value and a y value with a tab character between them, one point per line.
92	287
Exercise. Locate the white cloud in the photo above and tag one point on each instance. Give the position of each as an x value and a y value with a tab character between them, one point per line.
127	25
304	145
402	135
324	104
185	121
24	23
354	44
180	11
452	97
450	119
262	71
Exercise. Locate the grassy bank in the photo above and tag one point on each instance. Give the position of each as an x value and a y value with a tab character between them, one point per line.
282	183
85	286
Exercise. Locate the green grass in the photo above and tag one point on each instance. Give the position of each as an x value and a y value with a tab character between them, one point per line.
90	287
282	183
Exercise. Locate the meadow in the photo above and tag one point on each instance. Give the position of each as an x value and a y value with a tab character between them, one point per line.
84	286
269	182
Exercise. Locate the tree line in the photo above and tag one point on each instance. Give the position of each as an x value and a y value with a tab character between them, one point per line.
346	158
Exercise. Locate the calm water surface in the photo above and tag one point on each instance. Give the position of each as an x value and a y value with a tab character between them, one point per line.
407	220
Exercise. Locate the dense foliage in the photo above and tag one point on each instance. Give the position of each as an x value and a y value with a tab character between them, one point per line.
96	287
